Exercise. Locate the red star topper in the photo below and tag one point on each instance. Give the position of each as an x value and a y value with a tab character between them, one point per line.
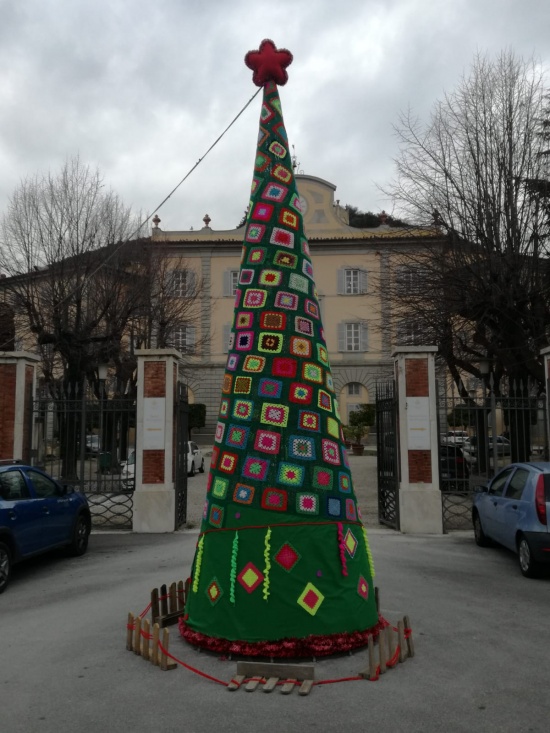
268	63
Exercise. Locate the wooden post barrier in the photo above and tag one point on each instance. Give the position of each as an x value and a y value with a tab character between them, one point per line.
167	605
388	643
138	638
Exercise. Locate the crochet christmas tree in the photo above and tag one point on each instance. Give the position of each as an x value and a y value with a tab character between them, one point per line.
282	566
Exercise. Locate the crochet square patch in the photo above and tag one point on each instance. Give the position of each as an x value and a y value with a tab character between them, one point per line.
312	372
227	383
219	488
244	319
277	149
256	256
255	233
322	354
300	346
289	301
334	507
273	320
329	381
301	447
228	462
255	298
331	452
267	441
254	364
262	211
282	174
215	456
324	400
279	129
224	407
215	516
298	282
256	180
309	421
351	512
322	478
270	387
255	468
274	192
300	393
283	366
263	135
333	427
307	269
285	259
275	500
242	409
363	588
243	494
270	343
261	162
287	557
237	436
307	504
267	113
246	276
310	599
238	293
344	482
311	308
270	277
243	385
273	414
244	341
290	474
288	218
303	325
304	244
220	429
214	591
282	238
250	577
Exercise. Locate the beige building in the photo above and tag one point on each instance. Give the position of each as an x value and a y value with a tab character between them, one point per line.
349	265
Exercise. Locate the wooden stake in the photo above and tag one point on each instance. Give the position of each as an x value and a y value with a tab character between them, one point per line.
392	643
236	682
382	650
410	643
137	635
402	646
372	660
181	596
172	600
252	684
164	663
155	645
306	687
155	612
145	640
129	631
271	684
163	600
288	686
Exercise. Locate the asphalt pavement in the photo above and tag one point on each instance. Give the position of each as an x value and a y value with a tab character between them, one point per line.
481	633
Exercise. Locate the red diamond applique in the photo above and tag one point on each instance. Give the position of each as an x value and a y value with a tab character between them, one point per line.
287	557
250	577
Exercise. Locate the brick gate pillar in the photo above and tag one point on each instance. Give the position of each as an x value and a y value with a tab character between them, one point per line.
154	495
17	388
419	495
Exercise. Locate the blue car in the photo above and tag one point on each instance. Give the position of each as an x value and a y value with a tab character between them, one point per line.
38	514
513	510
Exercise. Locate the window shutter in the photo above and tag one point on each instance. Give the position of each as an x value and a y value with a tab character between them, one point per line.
341	337
341	281
364	336
227	283
191	283
226	334
191	338
362	281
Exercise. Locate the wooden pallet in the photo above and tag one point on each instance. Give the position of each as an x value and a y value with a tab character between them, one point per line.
267	676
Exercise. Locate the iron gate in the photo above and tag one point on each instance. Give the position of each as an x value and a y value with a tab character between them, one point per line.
180	454
387	454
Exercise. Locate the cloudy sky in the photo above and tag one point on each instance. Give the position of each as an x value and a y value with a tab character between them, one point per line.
142	88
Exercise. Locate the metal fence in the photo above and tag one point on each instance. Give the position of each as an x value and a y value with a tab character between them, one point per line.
387	454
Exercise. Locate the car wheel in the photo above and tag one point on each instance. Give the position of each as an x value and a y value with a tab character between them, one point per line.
5	566
529	567
81	533
479	535
201	469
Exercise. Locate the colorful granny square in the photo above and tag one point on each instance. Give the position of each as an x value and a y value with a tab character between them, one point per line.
261	162
270	277
243	494
243	385
246	277
290	474
307	504
324	400
288	218
287	557
279	129
322	478
216	515
270	343
345	459
266	114
281	173
227	383
219	488
267	441
256	180
255	468
311	308
344	482
262	211
334	507
289	301
220	429
350	542
312	372
228	462
242	409
255	298
298	282
250	577
363	588
273	320
301	447
310	599
215	456
232	362
263	134
300	393
322	354
254	364
331	452
307	269
256	256
270	387
274	192
237	436
244	340
309	421
304	244
303	325
277	149
296	203
285	259
224	407
282	238
351	512
238	294
333	427
275	499
273	414
254	233
214	591
329	381
283	366
300	346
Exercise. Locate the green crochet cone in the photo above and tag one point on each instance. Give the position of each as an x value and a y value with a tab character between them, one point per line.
282	566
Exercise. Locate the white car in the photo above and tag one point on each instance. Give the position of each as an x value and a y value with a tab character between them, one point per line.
454	437
195	459
128	470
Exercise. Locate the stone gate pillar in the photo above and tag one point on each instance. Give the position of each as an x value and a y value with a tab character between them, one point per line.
17	389
420	508
154	495
546	357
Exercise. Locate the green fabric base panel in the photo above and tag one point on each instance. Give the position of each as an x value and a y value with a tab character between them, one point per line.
269	583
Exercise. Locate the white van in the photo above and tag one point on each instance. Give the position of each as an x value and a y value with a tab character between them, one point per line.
454	437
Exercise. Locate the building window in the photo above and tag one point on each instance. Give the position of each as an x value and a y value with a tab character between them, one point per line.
409	333
183	338
354	389
182	283
353	336
230	283
352	281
